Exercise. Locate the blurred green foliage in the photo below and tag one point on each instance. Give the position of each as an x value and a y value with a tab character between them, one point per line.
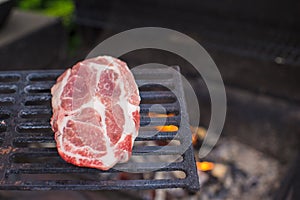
58	8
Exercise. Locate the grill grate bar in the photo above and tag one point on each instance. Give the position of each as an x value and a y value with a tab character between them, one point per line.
7	89
6	101
45	88
40	168
137	150
161	97
28	145
161	84
169	108
144	121
99	185
36	113
144	135
8	78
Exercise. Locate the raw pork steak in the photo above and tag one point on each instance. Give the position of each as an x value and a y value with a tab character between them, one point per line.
95	113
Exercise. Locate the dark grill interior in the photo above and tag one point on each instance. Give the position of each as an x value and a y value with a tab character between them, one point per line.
29	159
228	25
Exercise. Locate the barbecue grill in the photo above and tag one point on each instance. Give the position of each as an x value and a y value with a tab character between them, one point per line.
28	156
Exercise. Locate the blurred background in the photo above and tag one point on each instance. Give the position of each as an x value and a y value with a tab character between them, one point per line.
256	46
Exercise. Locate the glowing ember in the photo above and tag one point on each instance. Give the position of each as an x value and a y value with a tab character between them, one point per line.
167	128
160	115
194	139
199	131
205	166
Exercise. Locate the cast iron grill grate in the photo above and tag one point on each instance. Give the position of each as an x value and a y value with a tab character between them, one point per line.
29	159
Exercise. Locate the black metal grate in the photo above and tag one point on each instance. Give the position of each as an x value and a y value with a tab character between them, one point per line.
29	159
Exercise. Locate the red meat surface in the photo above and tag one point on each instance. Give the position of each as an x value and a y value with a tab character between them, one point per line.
96	113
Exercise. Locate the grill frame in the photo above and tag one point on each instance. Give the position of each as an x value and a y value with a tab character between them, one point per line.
25	117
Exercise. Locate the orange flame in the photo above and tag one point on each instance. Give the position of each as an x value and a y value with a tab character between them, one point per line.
153	114
205	166
167	128
199	131
194	139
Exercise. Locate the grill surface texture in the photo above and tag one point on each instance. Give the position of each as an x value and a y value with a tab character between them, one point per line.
29	158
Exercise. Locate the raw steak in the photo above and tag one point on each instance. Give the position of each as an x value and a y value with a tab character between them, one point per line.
95	113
